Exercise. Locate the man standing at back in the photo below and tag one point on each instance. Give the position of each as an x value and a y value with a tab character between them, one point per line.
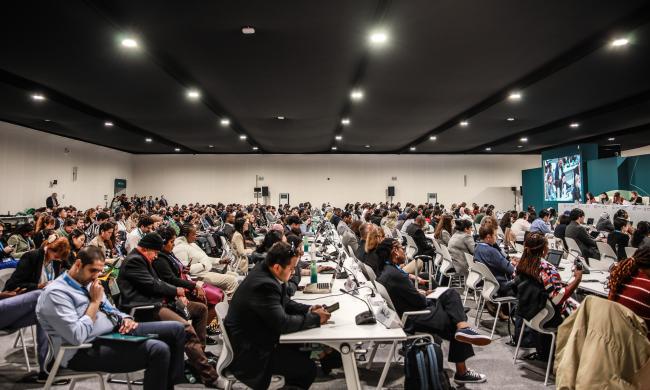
261	311
51	202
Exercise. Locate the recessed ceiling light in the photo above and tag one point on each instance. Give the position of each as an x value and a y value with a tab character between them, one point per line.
464	123
280	118
130	43
345	121
523	139
47	120
148	140
356	94
177	149
210	146
520	146
338	137
108	124
242	137
193	94
224	121
334	148
366	146
433	138
255	148
511	119
412	148
38	97
514	96
611	139
378	37
574	125
248	30
488	149
618	42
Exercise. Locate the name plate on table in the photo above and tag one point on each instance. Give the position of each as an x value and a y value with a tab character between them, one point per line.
386	316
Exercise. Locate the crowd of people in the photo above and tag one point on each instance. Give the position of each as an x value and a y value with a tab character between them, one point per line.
143	266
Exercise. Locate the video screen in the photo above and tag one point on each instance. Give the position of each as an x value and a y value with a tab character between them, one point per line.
562	179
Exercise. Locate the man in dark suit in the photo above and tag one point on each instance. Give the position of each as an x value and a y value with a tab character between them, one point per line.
260	311
415	230
576	231
51	202
447	316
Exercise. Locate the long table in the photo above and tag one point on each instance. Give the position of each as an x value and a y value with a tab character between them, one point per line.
593	282
636	212
341	332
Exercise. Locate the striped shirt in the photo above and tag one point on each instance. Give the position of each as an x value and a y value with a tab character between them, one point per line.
635	295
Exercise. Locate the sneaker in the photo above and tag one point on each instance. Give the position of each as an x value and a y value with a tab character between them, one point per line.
470	376
472	336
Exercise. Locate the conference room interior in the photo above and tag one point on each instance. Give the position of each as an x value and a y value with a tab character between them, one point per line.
304	173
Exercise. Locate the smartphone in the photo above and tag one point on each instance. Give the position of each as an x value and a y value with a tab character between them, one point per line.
332	308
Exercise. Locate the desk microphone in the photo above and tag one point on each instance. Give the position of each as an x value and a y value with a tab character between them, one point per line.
354	277
372	292
363	318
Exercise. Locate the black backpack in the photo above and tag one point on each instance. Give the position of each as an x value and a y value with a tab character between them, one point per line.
423	366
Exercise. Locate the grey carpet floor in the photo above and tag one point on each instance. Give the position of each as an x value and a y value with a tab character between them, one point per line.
494	360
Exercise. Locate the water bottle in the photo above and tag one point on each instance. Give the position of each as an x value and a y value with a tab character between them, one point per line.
305	244
313	271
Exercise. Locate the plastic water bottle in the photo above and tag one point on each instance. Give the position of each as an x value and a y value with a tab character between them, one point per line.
313	271
305	244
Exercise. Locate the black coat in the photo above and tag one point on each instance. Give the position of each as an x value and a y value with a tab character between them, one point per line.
260	311
168	271
423	244
28	273
50	203
140	284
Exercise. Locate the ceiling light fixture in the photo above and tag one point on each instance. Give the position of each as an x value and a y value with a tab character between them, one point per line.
356	94
242	137
433	138
210	146
130	43
225	122
511	119
345	121
366	146
378	37
574	125
520	146
148	140
108	124
248	30
464	123
177	149
38	97
47	120
334	148
514	96
255	148
618	42
523	139
611	139
281	118
412	148
488	149
338	137
193	94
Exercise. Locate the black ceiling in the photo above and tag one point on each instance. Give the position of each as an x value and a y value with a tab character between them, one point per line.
445	62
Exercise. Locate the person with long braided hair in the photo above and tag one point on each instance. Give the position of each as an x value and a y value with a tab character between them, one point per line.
629	283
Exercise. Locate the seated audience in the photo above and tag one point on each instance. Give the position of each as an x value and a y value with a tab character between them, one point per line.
260	311
344	224
460	243
140	285
425	248
350	236
93	230
447	317
21	240
443	230
239	245
629	284
200	264
641	236
102	239
520	226
560	228
617	199
541	224
576	231
145	225
6	251
228	227
364	230
604	223
619	238
38	267
77	240
66	227
44	227
409	220
74	310
500	266
604	198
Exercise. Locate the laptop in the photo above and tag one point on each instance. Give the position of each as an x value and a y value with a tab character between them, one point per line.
318	288
590	221
554	257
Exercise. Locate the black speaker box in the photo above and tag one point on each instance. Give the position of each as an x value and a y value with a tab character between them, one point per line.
265	191
391	191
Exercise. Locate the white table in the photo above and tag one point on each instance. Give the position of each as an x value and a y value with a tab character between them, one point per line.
343	333
598	275
636	212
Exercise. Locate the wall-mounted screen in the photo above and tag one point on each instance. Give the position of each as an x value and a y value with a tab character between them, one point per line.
563	179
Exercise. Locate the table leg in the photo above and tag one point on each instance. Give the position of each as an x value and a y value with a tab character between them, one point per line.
389	360
349	365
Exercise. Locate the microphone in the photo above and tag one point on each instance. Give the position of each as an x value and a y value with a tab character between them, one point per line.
354	277
365	317
372	292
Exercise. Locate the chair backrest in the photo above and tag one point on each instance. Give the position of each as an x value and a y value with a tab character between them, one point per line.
384	294
470	259
606	251
572	246
629	251
370	273
546	314
490	283
5	274
473	277
436	245
227	354
445	252
351	252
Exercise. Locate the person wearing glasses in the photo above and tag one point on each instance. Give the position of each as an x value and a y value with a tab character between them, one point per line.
260	311
446	319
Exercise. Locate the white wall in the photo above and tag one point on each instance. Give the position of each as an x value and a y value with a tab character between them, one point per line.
636	152
231	178
30	159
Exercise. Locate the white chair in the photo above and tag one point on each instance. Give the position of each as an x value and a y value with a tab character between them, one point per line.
607	254
472	280
369	273
447	267
537	324
56	373
572	246
227	354
629	251
488	294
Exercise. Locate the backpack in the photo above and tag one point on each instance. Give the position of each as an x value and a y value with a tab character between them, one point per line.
423	366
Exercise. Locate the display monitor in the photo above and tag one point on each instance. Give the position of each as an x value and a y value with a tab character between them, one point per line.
563	179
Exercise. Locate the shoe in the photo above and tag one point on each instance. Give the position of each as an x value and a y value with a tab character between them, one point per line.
491	308
470	376
472	336
42	378
213	328
210	341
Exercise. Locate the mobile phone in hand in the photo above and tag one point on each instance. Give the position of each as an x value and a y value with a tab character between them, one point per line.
332	308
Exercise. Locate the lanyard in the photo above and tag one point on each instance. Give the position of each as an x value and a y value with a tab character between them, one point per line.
49	271
397	266
103	307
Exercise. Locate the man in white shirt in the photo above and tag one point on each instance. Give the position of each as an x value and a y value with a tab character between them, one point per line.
145	225
520	226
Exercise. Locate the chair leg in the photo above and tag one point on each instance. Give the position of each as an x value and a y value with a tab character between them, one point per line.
73	382
18	337
521	336
372	355
33	328
465	295
24	347
128	381
479	310
550	358
496	319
